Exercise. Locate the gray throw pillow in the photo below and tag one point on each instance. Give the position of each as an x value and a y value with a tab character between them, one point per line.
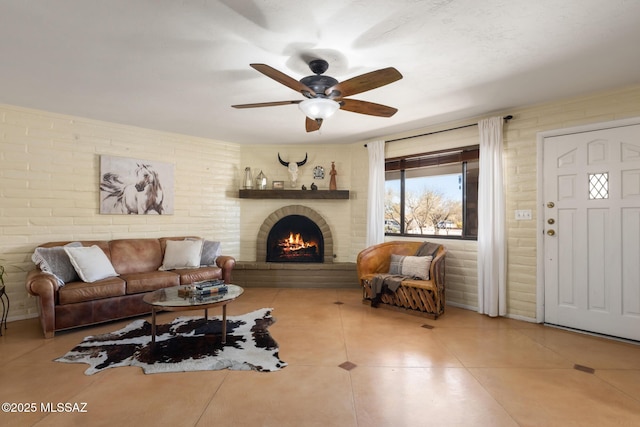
411	266
210	251
55	261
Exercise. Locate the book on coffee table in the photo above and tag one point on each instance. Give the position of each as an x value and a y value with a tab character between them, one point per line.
211	291
209	284
203	289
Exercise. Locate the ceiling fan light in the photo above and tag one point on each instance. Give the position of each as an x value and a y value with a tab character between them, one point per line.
318	108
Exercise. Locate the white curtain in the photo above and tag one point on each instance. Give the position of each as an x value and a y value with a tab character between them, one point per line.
492	288
375	204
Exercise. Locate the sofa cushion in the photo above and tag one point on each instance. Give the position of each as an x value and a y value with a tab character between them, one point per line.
412	266
150	281
135	255
55	261
84	291
193	275
181	254
90	263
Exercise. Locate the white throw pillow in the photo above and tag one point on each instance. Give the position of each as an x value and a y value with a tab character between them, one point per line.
412	266
90	263
182	254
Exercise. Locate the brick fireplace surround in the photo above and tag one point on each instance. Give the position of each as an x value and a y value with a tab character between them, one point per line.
328	274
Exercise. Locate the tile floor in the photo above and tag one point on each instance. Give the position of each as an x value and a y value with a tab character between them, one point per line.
469	370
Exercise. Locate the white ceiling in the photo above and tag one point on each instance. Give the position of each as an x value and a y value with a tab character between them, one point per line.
179	65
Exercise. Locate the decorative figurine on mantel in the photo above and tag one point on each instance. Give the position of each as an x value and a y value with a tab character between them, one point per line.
333	173
293	169
314	187
261	181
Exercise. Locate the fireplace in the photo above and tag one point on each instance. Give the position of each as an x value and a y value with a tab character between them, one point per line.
295	238
325	274
295	234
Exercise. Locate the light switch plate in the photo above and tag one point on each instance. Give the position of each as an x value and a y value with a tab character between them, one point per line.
523	215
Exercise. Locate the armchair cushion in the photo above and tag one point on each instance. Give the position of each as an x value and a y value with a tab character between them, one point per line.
416	267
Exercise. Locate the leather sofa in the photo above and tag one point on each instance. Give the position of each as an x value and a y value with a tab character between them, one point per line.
425	297
137	263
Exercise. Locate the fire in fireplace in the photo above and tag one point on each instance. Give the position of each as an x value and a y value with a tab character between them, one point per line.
295	238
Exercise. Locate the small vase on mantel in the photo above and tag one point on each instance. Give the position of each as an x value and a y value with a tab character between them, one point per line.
248	179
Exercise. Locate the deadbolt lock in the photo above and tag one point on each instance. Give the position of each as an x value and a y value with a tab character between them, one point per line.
550	204
551	232
551	221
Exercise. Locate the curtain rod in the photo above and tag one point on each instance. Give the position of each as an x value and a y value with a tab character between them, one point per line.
506	118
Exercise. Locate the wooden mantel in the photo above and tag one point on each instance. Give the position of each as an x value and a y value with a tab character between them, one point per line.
294	194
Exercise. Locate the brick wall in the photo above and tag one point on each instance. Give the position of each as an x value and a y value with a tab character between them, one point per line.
337	213
521	177
49	175
520	157
49	172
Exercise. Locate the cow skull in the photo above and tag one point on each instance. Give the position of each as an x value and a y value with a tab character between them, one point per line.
293	169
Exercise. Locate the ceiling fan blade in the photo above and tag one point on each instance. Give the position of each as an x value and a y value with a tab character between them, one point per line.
266	104
365	107
282	78
364	82
313	125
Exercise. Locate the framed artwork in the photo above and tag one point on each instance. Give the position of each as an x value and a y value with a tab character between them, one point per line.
135	187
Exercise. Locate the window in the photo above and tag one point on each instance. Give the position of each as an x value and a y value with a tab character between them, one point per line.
598	186
433	194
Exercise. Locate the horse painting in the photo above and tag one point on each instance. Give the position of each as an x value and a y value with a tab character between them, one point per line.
140	194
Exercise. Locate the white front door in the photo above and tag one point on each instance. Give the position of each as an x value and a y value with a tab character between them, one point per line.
591	210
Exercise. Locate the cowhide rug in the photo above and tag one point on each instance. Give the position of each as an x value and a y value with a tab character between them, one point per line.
185	344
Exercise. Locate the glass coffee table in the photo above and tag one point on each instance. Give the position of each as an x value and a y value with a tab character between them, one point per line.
168	299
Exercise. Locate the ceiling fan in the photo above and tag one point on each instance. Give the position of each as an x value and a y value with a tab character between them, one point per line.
325	95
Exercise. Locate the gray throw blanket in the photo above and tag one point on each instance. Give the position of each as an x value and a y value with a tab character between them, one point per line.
393	281
428	249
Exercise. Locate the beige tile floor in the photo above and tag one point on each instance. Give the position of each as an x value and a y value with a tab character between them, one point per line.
468	370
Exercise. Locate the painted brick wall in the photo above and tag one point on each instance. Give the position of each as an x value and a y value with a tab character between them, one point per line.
521	177
360	183
49	175
338	214
520	159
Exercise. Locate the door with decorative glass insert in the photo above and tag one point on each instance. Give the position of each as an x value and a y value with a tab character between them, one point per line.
591	194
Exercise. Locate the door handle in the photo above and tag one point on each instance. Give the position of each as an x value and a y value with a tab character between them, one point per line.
551	232
551	221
